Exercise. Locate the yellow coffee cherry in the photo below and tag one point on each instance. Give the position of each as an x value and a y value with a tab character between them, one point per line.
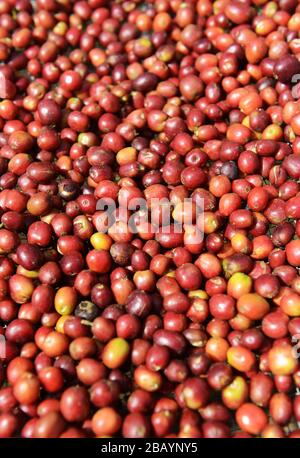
101	241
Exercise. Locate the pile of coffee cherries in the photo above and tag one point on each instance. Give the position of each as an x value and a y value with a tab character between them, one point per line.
110	332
